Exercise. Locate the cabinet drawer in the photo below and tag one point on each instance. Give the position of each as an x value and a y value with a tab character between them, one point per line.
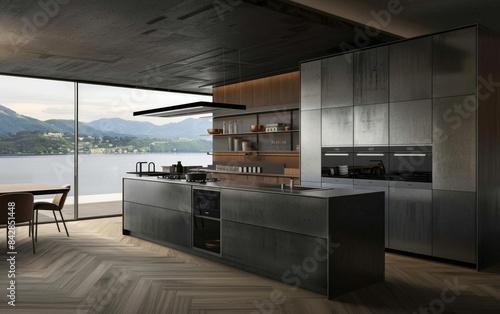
382	183
410	185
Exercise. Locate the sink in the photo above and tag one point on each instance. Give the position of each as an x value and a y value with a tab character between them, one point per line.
277	187
301	188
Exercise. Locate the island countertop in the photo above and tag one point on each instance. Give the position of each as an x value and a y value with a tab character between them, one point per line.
275	188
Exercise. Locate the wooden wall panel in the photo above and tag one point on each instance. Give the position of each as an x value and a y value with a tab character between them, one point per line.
269	91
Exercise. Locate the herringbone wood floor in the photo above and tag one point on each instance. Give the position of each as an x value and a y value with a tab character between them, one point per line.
97	270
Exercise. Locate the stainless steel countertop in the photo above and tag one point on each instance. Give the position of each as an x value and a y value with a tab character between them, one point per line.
298	190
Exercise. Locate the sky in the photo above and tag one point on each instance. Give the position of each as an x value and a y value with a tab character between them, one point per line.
46	99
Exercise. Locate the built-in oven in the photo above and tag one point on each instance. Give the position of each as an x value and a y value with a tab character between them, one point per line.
411	163
371	162
206	220
336	162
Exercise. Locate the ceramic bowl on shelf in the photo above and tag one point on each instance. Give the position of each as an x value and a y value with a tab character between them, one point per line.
214	131
256	127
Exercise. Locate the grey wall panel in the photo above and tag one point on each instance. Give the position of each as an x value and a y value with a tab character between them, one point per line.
337	127
454	63
454	144
159	194
410	122
410	64
274	252
410	220
310	146
371	125
157	224
454	225
310	85
279	211
371	76
336	81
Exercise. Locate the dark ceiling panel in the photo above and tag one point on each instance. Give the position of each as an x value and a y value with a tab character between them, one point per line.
170	44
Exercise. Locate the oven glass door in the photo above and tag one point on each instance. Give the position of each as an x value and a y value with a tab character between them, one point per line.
371	163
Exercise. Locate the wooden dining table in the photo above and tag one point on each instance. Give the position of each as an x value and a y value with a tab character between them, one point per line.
33	188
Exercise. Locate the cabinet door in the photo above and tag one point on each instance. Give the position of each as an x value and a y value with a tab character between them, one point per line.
274	252
411	69
371	76
310	85
454	144
157	224
454	63
371	125
410	122
336	81
381	186
310	147
337	126
410	220
454	225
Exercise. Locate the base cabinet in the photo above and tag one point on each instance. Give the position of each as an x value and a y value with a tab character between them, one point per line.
410	220
157	224
454	225
379	186
277	254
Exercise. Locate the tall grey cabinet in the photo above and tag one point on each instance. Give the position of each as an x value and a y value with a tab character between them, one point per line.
438	90
310	123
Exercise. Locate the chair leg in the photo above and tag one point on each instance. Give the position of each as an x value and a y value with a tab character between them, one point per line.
57	224
36	228
32	226
64	223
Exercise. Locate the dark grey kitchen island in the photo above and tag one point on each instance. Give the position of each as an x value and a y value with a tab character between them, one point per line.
325	240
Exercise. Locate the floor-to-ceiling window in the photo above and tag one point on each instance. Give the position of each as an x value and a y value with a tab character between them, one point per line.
37	134
37	139
111	141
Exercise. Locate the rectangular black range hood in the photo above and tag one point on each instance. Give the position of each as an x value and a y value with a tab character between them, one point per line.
195	108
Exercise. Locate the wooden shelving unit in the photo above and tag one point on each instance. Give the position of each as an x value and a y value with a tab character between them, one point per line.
276	147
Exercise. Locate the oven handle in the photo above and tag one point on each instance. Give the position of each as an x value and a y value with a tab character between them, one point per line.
336	154
371	154
409	155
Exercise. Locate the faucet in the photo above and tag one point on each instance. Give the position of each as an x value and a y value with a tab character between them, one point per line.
138	166
151	164
283	185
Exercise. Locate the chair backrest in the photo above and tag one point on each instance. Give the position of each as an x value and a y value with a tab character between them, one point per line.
19	204
60	198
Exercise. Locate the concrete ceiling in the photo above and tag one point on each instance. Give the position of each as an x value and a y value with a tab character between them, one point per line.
193	45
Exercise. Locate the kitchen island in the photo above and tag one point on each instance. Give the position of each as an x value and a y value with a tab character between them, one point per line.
325	240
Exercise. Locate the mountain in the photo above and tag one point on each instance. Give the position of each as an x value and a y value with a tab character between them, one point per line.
12	122
68	126
188	128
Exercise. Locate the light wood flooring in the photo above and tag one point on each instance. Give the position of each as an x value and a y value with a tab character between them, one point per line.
98	270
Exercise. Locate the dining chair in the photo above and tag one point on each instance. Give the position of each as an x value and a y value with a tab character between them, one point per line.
20	207
57	204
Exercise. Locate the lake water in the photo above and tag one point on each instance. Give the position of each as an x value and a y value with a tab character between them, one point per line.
99	174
